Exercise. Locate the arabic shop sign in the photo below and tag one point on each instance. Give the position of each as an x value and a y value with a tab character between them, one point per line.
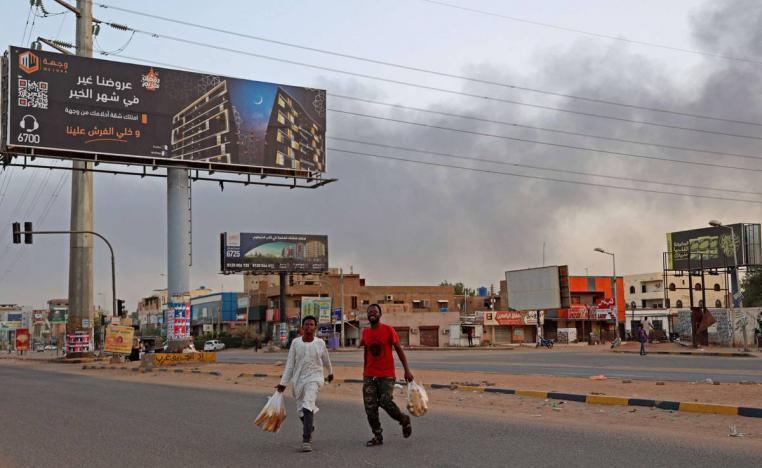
137	114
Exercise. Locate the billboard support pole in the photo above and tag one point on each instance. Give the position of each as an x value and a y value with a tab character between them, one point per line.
81	245
178	232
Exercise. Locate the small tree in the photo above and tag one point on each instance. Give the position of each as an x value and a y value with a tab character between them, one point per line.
752	288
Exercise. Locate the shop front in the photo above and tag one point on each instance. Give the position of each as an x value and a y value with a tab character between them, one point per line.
580	323
511	327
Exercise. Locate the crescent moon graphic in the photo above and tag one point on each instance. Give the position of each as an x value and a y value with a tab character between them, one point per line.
259	101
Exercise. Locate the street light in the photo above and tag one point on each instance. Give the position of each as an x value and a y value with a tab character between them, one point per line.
613	287
734	278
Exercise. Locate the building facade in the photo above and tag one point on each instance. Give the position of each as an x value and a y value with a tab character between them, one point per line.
420	314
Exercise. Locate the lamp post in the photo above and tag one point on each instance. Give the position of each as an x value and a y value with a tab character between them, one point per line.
733	281
613	287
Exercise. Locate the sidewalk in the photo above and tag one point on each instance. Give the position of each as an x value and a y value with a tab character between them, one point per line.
679	350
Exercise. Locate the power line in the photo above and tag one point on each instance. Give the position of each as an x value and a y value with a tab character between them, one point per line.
528	166
423	70
557	145
594	34
544	129
421	86
549	179
26	26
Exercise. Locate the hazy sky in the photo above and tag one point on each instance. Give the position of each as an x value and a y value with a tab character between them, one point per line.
402	223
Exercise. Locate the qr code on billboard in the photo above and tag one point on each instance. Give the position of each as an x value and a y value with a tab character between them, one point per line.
33	94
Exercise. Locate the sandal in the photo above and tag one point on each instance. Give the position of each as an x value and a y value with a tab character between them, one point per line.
407	428
374	441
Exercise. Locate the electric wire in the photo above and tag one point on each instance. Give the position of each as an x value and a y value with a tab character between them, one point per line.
594	34
542	168
543	129
423	70
539	142
427	87
26	26
679	161
550	179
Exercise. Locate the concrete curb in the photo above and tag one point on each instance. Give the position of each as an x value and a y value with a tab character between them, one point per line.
688	353
689	407
143	370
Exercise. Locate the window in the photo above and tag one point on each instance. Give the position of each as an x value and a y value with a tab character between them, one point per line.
417	304
280	137
642	288
281	102
672	286
366	302
354	302
280	158
632	289
716	286
658	324
633	305
718	303
697	287
643	303
679	303
281	119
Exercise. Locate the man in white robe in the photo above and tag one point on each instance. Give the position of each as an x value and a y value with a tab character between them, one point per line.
304	367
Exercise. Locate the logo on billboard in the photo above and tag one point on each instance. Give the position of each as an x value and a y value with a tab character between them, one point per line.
29	123
150	80
29	62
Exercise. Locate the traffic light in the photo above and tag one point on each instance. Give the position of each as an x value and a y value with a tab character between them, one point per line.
28	232
120	309
16	233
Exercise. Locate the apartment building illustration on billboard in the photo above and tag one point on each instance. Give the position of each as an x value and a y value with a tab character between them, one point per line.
204	129
296	137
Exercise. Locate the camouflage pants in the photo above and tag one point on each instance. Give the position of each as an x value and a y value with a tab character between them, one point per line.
379	391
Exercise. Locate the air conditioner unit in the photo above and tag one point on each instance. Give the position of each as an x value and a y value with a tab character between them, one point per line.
389	298
425	303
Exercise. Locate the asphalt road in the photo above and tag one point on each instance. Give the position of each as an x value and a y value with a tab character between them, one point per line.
556	362
61	420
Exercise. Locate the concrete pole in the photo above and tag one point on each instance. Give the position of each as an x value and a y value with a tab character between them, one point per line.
178	233
81	245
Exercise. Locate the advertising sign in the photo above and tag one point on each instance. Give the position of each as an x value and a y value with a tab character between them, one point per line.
538	288
136	114
265	253
13	320
713	246
318	307
57	316
178	321
39	316
513	318
119	339
22	339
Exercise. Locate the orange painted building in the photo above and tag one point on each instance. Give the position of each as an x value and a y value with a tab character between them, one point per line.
590	311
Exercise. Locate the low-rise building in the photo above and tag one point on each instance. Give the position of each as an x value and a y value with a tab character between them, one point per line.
420	314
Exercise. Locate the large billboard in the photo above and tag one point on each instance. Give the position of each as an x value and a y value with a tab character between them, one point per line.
538	288
140	114
713	247
267	252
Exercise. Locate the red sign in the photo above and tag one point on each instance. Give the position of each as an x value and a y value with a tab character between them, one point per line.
22	339
39	316
577	311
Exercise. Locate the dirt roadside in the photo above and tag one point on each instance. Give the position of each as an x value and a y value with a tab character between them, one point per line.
704	428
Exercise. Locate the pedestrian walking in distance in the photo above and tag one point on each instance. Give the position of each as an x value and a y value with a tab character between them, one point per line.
470	335
379	376
306	360
643	338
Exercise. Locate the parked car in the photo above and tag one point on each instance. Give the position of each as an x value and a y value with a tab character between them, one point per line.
214	345
50	347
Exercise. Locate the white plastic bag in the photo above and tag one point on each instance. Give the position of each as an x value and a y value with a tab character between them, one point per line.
273	414
417	399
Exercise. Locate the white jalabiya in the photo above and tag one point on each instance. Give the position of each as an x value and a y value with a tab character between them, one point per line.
305	367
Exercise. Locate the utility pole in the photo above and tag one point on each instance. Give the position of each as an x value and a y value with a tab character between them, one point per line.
81	245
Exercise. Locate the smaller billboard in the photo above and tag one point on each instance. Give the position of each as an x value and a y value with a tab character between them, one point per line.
39	316
269	252
538	288
22	339
14	320
178	321
119	339
714	247
57	315
510	318
318	307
